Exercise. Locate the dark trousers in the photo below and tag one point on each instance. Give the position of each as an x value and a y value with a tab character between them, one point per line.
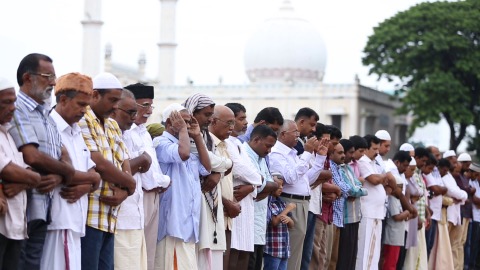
430	236
308	242
10	253
32	248
234	259
256	258
474	262
348	246
97	249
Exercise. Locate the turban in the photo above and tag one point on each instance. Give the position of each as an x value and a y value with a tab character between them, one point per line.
197	102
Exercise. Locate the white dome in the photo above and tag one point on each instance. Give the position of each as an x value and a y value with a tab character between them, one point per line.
285	48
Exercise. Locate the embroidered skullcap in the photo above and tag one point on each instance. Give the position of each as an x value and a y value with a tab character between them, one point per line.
406	147
383	135
474	167
197	102
140	90
155	129
74	81
106	80
169	109
413	162
5	84
464	157
449	153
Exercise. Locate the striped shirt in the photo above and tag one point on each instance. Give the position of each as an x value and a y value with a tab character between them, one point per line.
31	124
107	140
352	211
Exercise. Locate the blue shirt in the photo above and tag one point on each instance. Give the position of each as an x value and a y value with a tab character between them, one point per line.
31	124
339	203
278	240
246	137
180	204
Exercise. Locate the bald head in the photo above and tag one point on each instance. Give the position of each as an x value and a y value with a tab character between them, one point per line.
223	122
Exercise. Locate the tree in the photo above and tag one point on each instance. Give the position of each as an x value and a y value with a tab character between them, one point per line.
434	51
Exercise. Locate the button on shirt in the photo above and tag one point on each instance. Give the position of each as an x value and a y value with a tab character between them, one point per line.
107	140
180	204
295	169
13	225
154	177
67	215
131	215
31	124
373	205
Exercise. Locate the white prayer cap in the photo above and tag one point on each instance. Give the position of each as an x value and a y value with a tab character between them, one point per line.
449	153
383	135
464	157
169	109
5	84
106	80
474	167
407	147
413	162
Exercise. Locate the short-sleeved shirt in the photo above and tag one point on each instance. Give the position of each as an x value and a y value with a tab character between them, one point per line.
373	205
13	224
277	238
394	230
107	140
31	124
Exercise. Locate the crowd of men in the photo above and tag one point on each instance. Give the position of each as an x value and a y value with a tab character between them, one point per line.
87	184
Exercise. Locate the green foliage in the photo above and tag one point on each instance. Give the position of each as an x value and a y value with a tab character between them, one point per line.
434	49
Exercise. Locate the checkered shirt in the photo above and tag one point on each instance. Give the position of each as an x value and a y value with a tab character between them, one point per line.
107	140
277	240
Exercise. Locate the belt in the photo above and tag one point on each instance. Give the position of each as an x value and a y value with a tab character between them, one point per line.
293	196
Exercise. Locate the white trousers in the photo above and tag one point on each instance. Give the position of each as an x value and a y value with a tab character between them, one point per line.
171	251
369	240
130	252
62	246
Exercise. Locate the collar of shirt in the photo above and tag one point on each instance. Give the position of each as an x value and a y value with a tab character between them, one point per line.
252	153
63	125
216	141
367	159
5	127
170	136
29	102
281	148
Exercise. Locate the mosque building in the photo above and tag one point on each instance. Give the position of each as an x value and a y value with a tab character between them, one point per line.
284	61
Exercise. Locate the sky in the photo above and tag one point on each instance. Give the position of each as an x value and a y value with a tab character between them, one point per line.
211	34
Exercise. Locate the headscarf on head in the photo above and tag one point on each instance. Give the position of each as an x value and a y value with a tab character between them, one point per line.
197	102
155	129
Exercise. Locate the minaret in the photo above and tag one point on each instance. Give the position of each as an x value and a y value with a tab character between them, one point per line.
167	44
92	37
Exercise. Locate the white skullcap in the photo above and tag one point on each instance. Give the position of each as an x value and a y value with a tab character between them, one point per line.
106	80
474	167
413	162
5	84
407	147
464	157
383	135
169	109
449	153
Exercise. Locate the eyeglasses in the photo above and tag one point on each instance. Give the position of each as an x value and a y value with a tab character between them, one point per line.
146	105
48	76
229	123
132	113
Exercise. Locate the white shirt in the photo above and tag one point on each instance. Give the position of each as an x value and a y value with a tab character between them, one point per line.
66	215
391	167
475	208
373	205
453	211
131	215
295	169
435	202
154	177
13	224
244	173
315	205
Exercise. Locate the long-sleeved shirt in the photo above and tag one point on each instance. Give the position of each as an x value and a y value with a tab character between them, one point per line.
295	169
453	211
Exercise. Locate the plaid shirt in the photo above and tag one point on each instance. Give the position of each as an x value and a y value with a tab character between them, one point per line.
339	203
421	204
31	124
107	140
278	241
